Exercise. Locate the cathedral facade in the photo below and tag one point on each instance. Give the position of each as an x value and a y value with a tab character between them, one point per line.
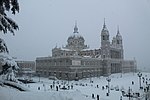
76	61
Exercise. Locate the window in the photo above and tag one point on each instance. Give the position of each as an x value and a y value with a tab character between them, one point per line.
45	73
117	41
103	56
49	73
103	37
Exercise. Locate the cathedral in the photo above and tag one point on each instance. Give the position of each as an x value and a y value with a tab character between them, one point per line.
76	61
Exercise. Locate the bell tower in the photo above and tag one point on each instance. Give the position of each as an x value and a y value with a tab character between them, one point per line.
105	43
119	43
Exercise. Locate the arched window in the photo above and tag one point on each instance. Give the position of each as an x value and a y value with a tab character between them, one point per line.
117	41
103	37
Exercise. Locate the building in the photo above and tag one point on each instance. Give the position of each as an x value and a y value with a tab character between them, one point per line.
26	67
76	60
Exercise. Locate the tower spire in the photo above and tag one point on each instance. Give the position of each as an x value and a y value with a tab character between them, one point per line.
75	28
118	36
118	32
104	26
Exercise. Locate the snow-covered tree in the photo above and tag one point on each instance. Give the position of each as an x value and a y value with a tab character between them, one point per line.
9	66
6	23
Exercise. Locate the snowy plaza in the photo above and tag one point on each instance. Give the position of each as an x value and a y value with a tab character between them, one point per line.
74	50
86	89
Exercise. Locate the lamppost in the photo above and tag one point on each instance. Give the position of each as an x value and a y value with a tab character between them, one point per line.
39	77
67	77
60	75
90	78
82	74
140	75
108	79
121	69
76	76
97	73
130	94
54	79
147	92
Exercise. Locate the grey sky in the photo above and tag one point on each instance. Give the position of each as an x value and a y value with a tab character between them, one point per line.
45	23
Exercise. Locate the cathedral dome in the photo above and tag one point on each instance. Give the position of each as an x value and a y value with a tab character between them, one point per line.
76	34
75	37
76	41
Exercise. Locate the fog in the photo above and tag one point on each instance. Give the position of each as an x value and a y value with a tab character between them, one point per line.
43	24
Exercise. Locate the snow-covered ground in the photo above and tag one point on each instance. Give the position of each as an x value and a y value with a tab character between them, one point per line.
81	90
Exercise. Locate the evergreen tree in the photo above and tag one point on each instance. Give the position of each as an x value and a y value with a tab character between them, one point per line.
9	66
6	23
